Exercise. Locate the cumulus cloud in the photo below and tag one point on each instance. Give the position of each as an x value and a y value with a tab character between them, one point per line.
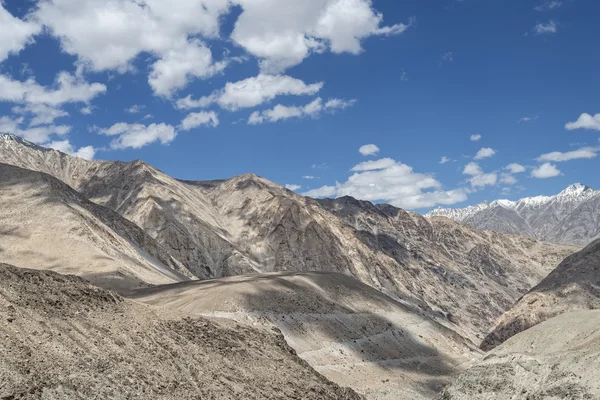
110	35
485	152
475	137
557	156
138	135
507	179
445	160
293	187
368	150
282	33
309	177
67	88
40	114
281	112
135	109
195	120
473	169
252	92
37	134
478	177
15	33
545	29
393	182
515	168
86	152
585	121
546	170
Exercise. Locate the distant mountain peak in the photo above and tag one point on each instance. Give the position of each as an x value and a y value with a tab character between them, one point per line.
555	218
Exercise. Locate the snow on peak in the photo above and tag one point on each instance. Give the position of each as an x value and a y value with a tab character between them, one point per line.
575	189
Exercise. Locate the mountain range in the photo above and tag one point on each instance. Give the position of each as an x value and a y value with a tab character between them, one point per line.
384	301
570	217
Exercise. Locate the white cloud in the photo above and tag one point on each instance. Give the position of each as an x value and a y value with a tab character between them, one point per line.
309	177
507	179
87	110
293	187
87	152
545	29
585	121
252	92
485	152
478	177
37	134
369	150
281	112
339	104
282	33
475	137
135	109
546	170
393	182
138	135
484	180
528	119
515	168
195	120
15	33
66	89
41	113
444	160
548	5
110	35
557	156
473	169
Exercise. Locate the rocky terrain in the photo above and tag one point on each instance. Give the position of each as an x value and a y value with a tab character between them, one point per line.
557	359
573	285
247	224
46	224
63	338
570	217
351	333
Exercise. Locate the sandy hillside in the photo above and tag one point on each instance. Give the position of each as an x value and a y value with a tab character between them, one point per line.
350	332
574	285
555	360
63	338
46	224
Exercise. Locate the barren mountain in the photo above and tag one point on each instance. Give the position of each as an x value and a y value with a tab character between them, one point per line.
348	331
247	224
557	359
44	223
570	217
440	258
63	338
573	285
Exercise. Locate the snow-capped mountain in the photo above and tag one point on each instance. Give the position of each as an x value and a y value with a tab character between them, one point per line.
570	217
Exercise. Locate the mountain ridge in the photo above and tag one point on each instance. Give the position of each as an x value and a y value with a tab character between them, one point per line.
566	218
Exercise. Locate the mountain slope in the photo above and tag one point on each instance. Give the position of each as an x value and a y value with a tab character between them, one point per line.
247	224
44	222
573	285
557	359
348	331
64	339
569	217
437	259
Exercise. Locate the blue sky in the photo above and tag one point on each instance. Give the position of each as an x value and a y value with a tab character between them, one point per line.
207	89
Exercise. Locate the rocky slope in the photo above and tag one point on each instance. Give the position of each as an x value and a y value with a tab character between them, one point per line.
439	258
573	285
247	224
557	359
63	338
348	331
570	217
44	223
